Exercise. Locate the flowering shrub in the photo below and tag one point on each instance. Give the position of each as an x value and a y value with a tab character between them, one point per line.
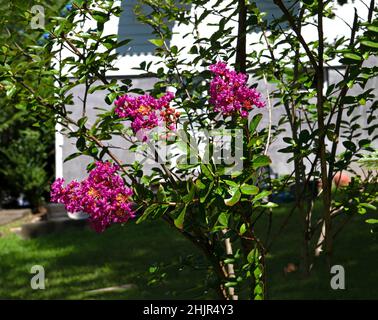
183	195
229	92
103	195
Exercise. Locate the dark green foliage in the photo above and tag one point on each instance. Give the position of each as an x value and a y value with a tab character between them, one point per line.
24	165
27	144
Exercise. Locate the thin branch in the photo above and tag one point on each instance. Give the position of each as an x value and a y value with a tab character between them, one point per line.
230	266
297	31
270	116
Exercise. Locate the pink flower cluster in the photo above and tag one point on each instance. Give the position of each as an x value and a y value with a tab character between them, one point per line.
146	112
103	195
229	93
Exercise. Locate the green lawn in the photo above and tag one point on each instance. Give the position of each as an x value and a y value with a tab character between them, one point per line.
78	261
355	248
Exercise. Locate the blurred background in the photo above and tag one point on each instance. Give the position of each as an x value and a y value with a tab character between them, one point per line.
26	146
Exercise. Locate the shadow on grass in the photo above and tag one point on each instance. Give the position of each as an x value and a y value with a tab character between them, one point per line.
355	248
78	261
157	263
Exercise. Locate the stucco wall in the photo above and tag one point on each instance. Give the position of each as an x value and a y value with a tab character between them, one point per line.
76	168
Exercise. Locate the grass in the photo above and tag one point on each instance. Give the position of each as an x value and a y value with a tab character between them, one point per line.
158	263
355	248
78	261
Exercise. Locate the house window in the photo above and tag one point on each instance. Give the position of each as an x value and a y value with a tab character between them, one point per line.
130	28
273	11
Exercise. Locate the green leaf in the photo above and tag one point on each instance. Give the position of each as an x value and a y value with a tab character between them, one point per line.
191	192
21	106
147	212
373	28
234	199
100	16
223	219
270	205
349	145
252	255
204	197
11	91
72	156
205	170
93	151
122	43
110	98
161	196
82	122
179	221
255	122
262	195
260	161
304	136
249	189
157	42
243	229
230	284
80	144
231	183
257	273
229	260
200	185
371	44
372	221
258	290
353	56
368	206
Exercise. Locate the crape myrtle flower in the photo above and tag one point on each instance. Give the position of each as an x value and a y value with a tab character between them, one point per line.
146	112
103	196
229	93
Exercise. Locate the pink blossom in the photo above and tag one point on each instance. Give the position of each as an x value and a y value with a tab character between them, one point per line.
229	93
103	195
146	112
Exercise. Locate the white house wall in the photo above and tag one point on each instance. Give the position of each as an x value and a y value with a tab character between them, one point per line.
139	49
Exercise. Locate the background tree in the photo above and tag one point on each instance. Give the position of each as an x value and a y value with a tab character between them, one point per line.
27	145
